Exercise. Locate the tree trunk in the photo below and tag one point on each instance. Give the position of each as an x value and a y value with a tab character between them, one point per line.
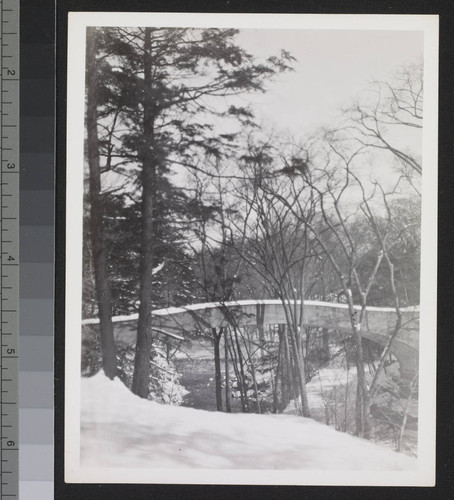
299	363
362	394
291	378
299	343
141	377
406	409
325	345
217	367
238	375
109	362
362	408
347	362
298	357
241	370
276	378
254	378
260	315
285	367
228	407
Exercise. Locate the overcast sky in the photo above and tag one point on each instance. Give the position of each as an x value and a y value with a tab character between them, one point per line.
332	68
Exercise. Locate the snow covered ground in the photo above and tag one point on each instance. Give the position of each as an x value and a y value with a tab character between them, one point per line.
121	430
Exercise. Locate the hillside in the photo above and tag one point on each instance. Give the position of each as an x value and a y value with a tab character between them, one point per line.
119	429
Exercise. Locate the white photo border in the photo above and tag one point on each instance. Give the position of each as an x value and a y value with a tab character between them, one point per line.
424	475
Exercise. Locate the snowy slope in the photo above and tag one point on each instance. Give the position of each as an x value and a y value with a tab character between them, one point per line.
119	429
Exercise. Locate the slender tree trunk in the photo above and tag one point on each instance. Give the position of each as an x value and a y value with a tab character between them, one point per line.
362	393
413	384
299	342
291	377
109	362
285	362
286	369
299	363
228	407
254	378
217	367
298	358
260	315
238	375
362	408
325	345
241	369
141	377
347	363
283	370
276	377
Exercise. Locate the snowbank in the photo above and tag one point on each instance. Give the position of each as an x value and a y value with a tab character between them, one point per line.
119	429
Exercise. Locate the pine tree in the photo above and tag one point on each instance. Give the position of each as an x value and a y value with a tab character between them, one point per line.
96	222
169	83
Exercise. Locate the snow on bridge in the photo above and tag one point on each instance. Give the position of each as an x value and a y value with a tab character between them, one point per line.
377	325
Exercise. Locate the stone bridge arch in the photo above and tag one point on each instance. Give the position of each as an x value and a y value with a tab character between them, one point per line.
377	325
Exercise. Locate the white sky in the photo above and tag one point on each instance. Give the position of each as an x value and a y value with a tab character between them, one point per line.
332	68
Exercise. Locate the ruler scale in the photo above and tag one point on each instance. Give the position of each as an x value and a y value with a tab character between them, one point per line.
9	224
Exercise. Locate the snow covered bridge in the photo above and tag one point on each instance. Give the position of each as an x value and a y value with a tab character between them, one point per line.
377	325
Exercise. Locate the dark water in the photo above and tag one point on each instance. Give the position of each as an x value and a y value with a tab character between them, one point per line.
198	378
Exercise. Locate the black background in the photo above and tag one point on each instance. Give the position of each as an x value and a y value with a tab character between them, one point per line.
37	27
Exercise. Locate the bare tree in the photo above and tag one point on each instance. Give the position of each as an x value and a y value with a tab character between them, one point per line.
329	188
277	245
387	239
391	113
342	198
211	240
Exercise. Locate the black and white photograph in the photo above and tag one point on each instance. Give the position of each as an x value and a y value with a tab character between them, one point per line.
251	249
